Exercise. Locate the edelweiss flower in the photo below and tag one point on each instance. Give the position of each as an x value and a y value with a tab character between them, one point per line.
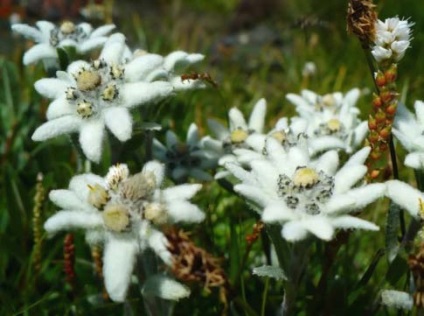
235	137
185	159
48	37
332	119
125	213
91	95
305	196
392	39
409	130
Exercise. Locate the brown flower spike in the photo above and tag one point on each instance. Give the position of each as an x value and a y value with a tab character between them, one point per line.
361	19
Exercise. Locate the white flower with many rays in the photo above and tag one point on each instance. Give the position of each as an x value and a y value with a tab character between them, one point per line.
48	37
125	213
307	196
90	96
228	139
409	130
187	159
392	39
332	119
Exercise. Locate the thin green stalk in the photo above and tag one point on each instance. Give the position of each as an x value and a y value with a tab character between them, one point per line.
264	296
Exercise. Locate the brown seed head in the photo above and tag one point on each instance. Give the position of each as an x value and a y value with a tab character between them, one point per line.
361	19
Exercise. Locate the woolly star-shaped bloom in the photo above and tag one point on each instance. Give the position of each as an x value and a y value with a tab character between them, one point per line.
392	39
307	196
409	130
187	159
125	213
331	120
90	96
228	139
49	37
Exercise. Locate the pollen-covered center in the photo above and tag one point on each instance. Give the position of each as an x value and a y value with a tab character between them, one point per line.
97	86
305	177
125	201
238	136
333	127
88	80
67	31
67	27
306	191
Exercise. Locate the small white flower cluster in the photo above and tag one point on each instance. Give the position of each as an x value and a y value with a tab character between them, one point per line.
124	213
392	39
183	160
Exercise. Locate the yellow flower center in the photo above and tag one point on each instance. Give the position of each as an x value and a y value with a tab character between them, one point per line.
88	80
156	213
328	100
281	136
334	125
116	72
97	196
305	177
67	27
110	93
238	136
85	109
116	217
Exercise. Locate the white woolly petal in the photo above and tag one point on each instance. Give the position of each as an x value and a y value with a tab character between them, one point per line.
240	173
67	199
165	288
63	125
277	211
139	93
360	132
352	96
405	196
180	85
348	177
323	143
358	158
351	222
257	118
294	231
91	44
38	52
297	100
157	168
28	31
119	122
236	119
51	88
253	193
328	162
76	66
319	226
141	67
415	160
102	30
59	107
173	59
181	192
219	130
158	243
66	220
45	27
340	203
118	263
397	299
91	139
266	174
367	194
182	211
113	49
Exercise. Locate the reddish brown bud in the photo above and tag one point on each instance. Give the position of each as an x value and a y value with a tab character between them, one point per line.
385	133
387	96
373	137
380	116
380	79
374	174
391	109
372	123
391	74
376	101
375	155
